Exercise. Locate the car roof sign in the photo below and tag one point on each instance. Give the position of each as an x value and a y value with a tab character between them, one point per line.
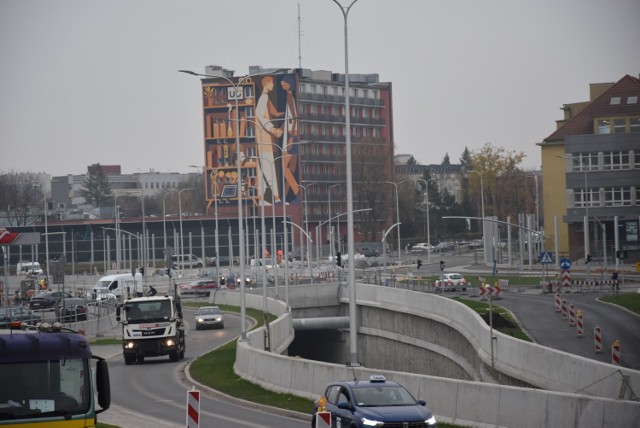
377	378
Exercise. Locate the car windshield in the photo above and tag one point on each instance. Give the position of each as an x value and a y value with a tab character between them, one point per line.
209	311
455	276
376	396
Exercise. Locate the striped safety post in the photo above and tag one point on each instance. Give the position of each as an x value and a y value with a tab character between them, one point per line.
615	353
579	323
558	302
323	420
572	315
193	408
564	309
597	338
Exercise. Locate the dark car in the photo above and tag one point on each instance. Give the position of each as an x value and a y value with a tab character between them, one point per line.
18	313
47	299
372	403
368	252
72	309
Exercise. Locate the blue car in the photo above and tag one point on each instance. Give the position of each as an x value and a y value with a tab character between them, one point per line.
372	403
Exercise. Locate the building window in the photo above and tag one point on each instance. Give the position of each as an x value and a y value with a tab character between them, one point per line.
585	162
619	126
604	126
617	196
616	161
615	101
249	111
634	124
248	91
303	87
632	100
588	198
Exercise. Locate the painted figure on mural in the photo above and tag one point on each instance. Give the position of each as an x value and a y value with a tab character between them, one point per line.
290	138
267	135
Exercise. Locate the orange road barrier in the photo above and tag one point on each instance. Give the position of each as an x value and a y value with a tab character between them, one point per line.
579	323
615	353
597	337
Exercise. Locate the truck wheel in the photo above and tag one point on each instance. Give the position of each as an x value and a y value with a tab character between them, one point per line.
128	359
182	354
174	356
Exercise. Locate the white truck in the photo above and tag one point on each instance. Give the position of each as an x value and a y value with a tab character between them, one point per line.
152	327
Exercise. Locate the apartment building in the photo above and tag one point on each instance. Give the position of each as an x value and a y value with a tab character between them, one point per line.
591	175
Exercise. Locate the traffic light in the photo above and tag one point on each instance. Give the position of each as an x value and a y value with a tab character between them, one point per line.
339	259
141	271
441	264
588	259
169	272
419	263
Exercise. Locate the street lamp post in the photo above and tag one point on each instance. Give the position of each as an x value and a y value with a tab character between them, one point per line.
181	254
397	215
333	263
426	185
215	215
306	225
353	334
484	239
46	229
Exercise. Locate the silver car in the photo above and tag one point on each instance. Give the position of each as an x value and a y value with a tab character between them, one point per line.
209	316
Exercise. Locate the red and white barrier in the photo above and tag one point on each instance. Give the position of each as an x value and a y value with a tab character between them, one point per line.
615	353
497	291
597	337
323	420
558	303
579	323
193	408
564	309
566	279
572	315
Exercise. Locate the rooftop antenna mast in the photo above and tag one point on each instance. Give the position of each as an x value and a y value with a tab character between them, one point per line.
299	41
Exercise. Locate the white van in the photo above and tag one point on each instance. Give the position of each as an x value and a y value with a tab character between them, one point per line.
117	285
26	268
186	261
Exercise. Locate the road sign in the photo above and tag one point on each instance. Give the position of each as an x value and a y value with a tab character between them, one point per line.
546	258
565	264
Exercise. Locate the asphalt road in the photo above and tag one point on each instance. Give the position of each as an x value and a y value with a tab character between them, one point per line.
154	394
537	313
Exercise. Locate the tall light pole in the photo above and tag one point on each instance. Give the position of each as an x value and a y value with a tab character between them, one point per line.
333	263
213	177
181	254
46	229
426	185
353	334
306	226
484	239
397	215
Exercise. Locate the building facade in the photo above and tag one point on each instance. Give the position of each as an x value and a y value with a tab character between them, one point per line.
292	135
591	175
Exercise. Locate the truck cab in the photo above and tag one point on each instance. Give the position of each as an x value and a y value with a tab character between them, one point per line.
46	379
151	327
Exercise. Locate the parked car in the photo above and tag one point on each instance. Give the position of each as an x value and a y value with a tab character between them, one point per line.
224	261
71	310
368	252
451	282
445	246
209	316
372	403
18	313
47	299
422	247
201	286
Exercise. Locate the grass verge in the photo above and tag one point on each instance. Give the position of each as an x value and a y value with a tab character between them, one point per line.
630	301
503	321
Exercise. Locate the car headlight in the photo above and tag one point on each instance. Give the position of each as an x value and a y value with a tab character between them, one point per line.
371	423
431	421
170	342
200	320
130	345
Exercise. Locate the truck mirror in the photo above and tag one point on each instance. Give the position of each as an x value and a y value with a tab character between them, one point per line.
118	313
103	385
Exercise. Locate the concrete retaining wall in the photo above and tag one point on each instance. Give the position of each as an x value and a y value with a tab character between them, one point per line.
457	401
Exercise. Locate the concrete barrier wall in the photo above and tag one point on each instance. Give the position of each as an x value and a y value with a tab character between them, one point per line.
537	365
456	401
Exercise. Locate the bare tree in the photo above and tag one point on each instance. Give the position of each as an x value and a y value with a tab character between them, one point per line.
22	196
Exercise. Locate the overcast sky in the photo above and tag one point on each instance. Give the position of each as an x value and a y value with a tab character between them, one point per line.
83	81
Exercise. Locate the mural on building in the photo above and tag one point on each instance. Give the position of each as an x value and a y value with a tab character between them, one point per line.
262	112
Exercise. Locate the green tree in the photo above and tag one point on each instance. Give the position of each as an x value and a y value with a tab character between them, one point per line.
96	190
446	160
501	180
